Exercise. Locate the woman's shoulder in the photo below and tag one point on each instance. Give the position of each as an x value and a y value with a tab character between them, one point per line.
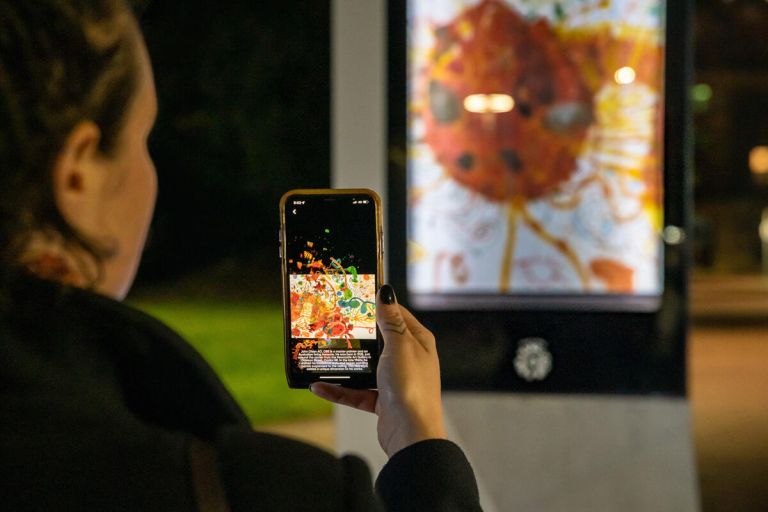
87	340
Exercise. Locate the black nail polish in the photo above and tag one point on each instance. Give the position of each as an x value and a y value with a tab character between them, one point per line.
387	294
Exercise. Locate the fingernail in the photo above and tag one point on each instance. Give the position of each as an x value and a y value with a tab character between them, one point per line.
387	294
310	388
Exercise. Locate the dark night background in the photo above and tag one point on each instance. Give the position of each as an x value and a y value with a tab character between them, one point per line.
731	57
244	92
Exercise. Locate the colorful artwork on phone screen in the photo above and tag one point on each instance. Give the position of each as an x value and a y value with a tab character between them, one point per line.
333	306
332	302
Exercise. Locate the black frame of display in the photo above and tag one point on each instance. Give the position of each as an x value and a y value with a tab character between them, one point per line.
616	352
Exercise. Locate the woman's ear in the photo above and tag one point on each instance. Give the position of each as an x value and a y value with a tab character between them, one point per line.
78	177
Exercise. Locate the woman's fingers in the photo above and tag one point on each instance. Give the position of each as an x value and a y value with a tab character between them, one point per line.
395	321
362	399
421	333
388	315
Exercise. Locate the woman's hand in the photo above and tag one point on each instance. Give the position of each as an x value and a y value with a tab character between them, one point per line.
408	400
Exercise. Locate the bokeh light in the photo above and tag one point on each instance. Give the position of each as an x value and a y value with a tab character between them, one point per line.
489	103
625	75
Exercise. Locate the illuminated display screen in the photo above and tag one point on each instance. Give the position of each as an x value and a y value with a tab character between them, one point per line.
535	151
331	261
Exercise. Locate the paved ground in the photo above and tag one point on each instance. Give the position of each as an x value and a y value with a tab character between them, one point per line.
730	298
728	376
729	397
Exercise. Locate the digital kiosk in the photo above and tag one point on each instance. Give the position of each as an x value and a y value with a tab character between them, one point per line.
538	198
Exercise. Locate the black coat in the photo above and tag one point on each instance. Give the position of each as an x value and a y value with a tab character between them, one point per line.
104	408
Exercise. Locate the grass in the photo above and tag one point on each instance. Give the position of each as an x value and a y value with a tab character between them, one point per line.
243	342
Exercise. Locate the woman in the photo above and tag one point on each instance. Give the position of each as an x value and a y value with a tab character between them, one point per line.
104	408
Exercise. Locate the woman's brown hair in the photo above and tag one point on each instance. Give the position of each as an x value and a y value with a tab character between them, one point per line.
61	62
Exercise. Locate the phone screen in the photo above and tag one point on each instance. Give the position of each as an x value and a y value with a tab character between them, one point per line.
331	259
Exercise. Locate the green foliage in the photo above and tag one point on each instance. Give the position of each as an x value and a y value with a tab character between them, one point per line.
243	343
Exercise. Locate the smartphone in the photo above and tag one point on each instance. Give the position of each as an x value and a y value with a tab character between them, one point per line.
331	254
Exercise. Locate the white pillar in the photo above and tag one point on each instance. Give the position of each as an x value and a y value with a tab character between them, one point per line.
358	99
